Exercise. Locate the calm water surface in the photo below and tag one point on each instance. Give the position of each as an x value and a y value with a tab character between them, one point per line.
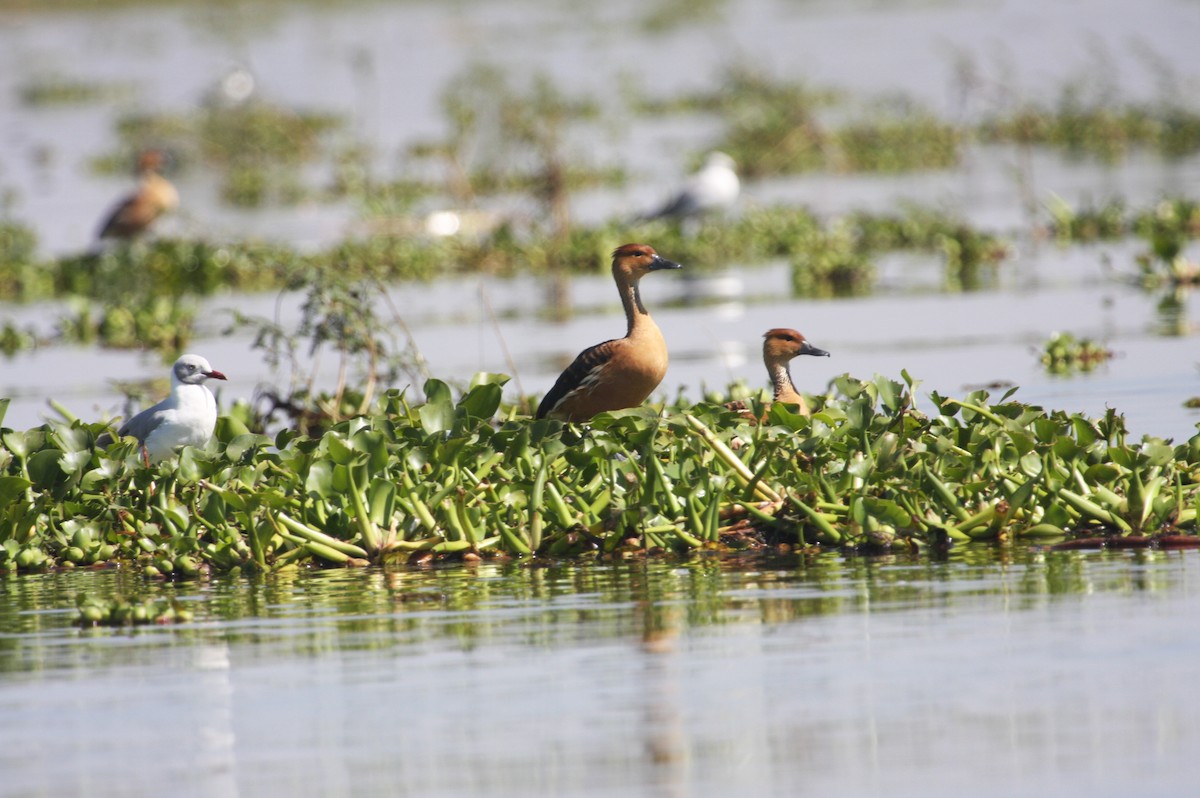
989	673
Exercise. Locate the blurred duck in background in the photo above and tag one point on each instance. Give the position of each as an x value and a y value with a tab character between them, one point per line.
154	196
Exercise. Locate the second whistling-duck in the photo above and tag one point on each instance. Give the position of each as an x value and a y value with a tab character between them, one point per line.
780	345
186	417
154	196
622	372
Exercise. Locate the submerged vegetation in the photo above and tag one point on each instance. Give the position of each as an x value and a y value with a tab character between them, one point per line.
444	478
51	90
775	127
1098	127
1064	353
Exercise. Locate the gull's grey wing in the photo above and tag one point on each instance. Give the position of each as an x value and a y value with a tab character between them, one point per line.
144	423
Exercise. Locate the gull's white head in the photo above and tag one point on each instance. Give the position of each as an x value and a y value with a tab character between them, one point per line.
193	370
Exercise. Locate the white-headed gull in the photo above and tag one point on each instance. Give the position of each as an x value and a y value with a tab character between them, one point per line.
714	188
186	417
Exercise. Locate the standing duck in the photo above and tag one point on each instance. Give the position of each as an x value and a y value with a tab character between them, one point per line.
154	197
780	345
620	373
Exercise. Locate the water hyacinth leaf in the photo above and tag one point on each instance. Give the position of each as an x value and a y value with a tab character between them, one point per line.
374	445
858	511
381	500
848	386
188	470
4	408
1124	457
488	378
1156	453
319	480
860	412
780	414
1067	449
1022	495
74	462
21	444
341	479
284	437
213	509
72	438
245	443
11	489
437	414
1102	474
1047	430
482	401
177	516
45	469
890	393
228	428
887	511
340	452
449	451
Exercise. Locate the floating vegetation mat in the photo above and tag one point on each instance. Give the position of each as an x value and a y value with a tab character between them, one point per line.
869	470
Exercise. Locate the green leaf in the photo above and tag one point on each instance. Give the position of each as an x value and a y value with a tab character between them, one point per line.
11	488
189	470
374	445
381	499
1102	473
890	393
320	479
46	470
340	452
482	401
22	444
1031	464
1066	448
229	428
284	437
488	378
74	462
437	414
72	438
860	412
1156	452
243	443
887	511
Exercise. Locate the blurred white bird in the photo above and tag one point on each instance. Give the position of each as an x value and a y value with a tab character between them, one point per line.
714	188
186	417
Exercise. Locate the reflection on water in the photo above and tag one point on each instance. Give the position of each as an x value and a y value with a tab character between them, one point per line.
991	672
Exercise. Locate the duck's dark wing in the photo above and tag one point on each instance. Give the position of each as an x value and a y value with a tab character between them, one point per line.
580	375
131	216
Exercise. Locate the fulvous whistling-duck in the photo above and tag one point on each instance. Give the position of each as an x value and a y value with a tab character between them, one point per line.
780	345
154	197
714	188
186	417
622	372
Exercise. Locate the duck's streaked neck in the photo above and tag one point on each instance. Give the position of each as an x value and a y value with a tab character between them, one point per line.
636	314
781	378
